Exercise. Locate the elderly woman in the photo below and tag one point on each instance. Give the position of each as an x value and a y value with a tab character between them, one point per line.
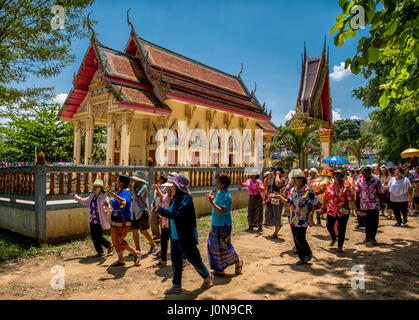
302	201
121	219
274	205
221	252
255	204
183	233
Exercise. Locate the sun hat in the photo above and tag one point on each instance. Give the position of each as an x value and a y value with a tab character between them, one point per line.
313	170
181	182
98	183
267	173
139	176
167	184
338	171
173	174
253	172
298	174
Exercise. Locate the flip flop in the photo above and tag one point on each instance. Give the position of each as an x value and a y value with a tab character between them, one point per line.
239	268
117	264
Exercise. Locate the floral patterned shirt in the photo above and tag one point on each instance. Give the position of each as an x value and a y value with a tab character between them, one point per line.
301	203
336	199
369	193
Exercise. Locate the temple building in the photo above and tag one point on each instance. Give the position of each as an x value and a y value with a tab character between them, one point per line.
162	107
314	104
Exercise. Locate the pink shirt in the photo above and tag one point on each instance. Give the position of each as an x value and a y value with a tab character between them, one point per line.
252	185
369	193
165	205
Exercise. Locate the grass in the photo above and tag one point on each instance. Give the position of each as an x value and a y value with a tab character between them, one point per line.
14	246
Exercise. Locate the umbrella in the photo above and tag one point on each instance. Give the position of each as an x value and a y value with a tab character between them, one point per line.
410	153
335	160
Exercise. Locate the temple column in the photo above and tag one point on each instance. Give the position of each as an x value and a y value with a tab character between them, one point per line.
88	143
77	142
110	142
325	136
125	138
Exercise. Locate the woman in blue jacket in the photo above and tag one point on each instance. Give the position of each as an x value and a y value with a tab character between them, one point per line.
183	234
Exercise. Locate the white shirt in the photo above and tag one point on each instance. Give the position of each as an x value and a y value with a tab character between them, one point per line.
399	189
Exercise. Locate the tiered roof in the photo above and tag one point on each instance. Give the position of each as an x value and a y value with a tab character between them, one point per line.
145	75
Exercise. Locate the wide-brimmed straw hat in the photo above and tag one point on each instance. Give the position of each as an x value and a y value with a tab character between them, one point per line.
298	174
139	176
181	182
97	183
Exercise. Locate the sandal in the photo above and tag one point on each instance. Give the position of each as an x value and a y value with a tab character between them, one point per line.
160	264
239	268
218	274
99	255
110	249
207	282
152	250
137	259
118	264
272	237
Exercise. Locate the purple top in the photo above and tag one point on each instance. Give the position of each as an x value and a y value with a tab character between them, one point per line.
252	185
369	193
94	213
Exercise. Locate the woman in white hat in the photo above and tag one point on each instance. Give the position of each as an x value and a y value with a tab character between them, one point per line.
98	218
302	201
255	205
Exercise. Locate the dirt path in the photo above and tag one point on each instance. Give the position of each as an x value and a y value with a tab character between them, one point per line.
391	271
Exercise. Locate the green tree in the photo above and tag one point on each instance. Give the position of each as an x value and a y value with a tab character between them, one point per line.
346	129
357	147
301	145
21	134
395	127
31	47
393	34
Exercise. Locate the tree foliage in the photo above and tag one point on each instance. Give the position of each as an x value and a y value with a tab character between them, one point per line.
347	129
21	134
31	48
393	35
357	147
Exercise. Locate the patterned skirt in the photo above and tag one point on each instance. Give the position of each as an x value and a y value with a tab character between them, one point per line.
273	214
221	253
118	235
255	211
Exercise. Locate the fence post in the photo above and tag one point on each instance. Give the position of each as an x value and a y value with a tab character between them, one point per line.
40	193
214	174
150	185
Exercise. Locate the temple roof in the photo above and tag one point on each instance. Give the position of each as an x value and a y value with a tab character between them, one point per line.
268	127
314	93
145	75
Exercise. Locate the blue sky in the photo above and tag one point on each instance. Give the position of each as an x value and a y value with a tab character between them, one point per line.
267	36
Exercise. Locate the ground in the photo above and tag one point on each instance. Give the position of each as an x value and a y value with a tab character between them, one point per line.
391	269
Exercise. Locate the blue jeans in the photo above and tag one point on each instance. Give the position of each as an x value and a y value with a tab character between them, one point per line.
193	256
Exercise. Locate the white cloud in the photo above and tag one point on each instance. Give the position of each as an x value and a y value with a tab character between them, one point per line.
60	98
289	115
339	72
336	115
355	118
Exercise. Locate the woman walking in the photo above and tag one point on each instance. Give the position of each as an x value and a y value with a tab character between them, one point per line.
400	195
302	202
121	219
221	253
183	234
382	175
274	205
255	204
165	199
98	218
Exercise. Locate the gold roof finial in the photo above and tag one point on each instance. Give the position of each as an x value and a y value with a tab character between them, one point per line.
241	70
129	22
89	25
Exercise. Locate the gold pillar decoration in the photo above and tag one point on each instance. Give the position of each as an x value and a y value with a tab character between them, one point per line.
126	119
110	141
77	142
325	136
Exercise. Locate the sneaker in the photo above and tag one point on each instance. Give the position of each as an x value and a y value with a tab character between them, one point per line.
374	242
300	262
207	282
173	290
365	241
308	258
332	243
398	224
294	250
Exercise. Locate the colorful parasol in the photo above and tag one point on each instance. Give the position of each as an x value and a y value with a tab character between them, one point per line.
410	153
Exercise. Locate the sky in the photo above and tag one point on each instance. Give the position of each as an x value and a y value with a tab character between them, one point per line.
267	36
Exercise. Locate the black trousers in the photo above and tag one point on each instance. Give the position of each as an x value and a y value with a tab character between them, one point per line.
164	243
299	235
399	209
371	223
96	232
342	222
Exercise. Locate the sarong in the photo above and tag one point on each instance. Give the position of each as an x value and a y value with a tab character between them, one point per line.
255	211
273	214
221	253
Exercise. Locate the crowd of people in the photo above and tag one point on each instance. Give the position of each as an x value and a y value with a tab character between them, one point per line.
171	215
